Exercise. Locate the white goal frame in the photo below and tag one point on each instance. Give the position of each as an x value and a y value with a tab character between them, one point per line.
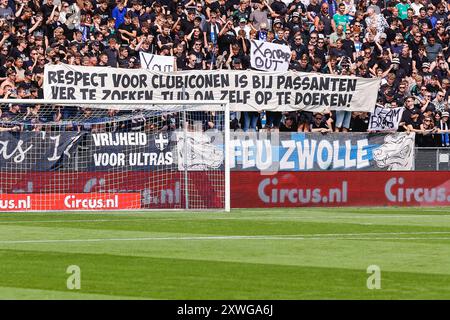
156	106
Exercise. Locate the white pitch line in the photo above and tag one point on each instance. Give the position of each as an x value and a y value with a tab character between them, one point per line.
226	218
343	236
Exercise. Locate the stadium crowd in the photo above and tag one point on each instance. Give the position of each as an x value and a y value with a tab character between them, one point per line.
403	42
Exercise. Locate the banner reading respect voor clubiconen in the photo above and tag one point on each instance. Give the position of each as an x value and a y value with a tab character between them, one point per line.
245	90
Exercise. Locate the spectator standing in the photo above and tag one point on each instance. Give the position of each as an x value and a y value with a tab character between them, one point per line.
118	13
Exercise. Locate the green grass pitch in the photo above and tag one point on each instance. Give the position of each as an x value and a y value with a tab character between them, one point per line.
299	253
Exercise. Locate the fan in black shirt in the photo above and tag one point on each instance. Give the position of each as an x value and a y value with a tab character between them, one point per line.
103	11
127	30
187	25
47	9
289	124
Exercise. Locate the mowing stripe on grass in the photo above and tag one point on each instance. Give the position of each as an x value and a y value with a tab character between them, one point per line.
226	218
320	236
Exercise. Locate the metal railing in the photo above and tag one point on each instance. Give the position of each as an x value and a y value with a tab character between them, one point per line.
432	159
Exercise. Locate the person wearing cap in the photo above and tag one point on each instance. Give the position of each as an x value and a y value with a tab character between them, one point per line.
445	120
443	128
27	82
74	46
243	25
295	23
95	48
295	15
236	64
277	24
412	119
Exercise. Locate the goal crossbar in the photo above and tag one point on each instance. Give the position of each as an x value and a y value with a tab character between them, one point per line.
124	105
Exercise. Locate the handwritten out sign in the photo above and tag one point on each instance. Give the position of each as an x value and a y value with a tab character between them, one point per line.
156	63
269	56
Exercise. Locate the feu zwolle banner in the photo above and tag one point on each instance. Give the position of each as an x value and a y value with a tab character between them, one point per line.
139	151
295	151
385	119
156	62
245	90
269	56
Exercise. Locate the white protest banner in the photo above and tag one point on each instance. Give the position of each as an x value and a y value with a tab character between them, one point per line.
385	119
245	90
269	56
156	63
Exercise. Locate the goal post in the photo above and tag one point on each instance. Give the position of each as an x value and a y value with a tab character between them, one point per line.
114	155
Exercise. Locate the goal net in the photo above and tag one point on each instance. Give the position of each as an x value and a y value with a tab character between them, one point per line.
113	155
